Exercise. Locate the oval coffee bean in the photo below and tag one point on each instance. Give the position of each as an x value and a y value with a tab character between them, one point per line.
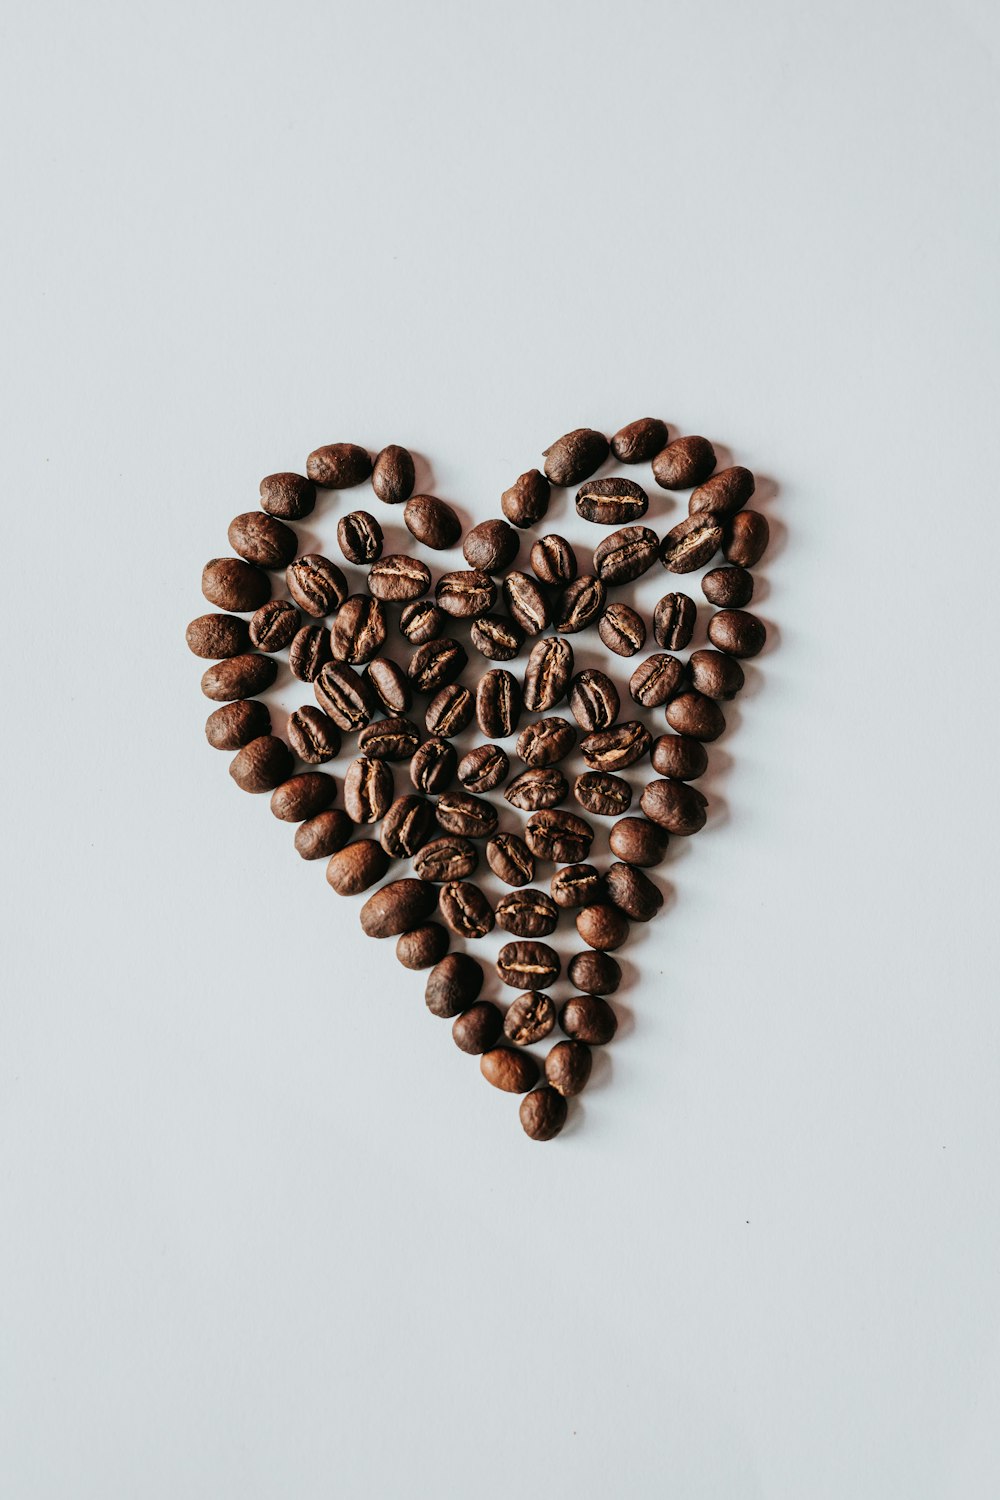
546	741
466	909
345	696
479	1028
449	711
725	493
513	1072
466	594
692	543
594	700
316	584
537	788
527	500
393	475
602	926
491	546
275	625
422	621
359	629
526	603
458	812
214	637
448	858
684	462
728	588
498	703
389	739
735	632
747	536
614	749
497	638
674	621
453	985
625	555
580	605
548	672
510	859
234	585
290	497
261	765
596	974
543	1114
367	790
677	807
484	768
576	885
357	866
637	442
632	892
622	630
422	947
432	522
695	715
309	652
338	466
323	835
605	796
303	796
398	579
558	836
397	907
262	540
406	826
528	965
588	1018
527	913
360	537
435	664
390	685
656	680
553	561
433	766
575	456
609	502
236	724
715	674
638	842
239	677
678	757
567	1068
529	1018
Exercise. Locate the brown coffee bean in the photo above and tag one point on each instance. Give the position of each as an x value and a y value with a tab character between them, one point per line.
728	588
450	710
432	522
483	768
314	737
527	913
567	1068
359	629
513	1072
553	560
479	1028
575	456
303	796
287	496
466	594
389	739
610	502
588	1018
684	462
692	543
261	765
639	441
309	652
576	885
605	796
360	537
526	603
422	621
558	836
733	631
747	536
433	766
625	555
614	749
422	947
529	1018
435	664
527	500
236	724
543	1114
677	807
234	585
715	674
323	835
548	672
316	584
466	909
356	867
390	685
393	475
367	790
458	812
674	621
491	546
214	637
633	892
497	638
580	604
537	788
656	680
546	741
695	715
678	757
239	677
725	493
595	973
345	696
638	842
262	540
602	926
622	630
510	859
498	703
453	985
275	625
397	907
528	965
406	826
448	858
338	466
398	579
594	700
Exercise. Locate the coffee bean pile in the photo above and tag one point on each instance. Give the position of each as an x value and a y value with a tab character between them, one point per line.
407	792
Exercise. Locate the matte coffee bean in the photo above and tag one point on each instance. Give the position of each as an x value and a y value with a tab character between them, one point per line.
546	741
397	907
450	711
389	739
695	715
239	677
656	680
633	892
390	685
735	632
422	621
529	1018
543	1114
345	696
398	579
580	604
236	724
513	1072
558	836
567	1068
309	652
637	442
596	974
684	462
406	826
615	749
537	788
622	629
588	1018
510	859
725	493
638	842
728	588
527	913
674	621
692	543
432	522
316	584
527	500
275	625
610	502
262	540
261	765
497	638
448	858
491	546
553	561
747	536
466	594
338	466
290	497
453	985
680	758
576	885
466	909
575	456
677	807
367	790
602	926
479	1029
594	700
548	673
484	768
526	603
359	629
605	796
435	664
625	555
715	674
234	585
214	637
393	475
356	867
303	796
459	812
528	965
323	835
498	703
432	768
422	947
360	537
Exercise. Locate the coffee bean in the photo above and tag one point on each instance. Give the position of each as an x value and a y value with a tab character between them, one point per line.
594	700
239	677
453	985
609	502
547	675
735	632
513	1072
497	638
692	543
390	685
275	625
725	493
422	621
527	913
747	536
575	456
465	595
397	579
491	546
393	475
234	585
303	796
323	835
674	621
553	560
510	859
580	604
345	696
656	680
309	652
728	588
633	892
684	462
356	867
458	812
483	768
588	1018
445	859
527	500
625	555
526	603
214	637
316	584
596	973
543	1114
433	766
558	836
338	466
537	788
423	947
678	757
639	441
261	765
622	630
528	965
715	674
529	1018
435	664
367	790
479	1028
677	807
360	537
290	497
314	737
546	741
605	796
695	715
432	522
262	540
450	710
397	907
614	749
576	885
602	926
567	1068
389	739
359	629
466	909
638	842
498	703
236	724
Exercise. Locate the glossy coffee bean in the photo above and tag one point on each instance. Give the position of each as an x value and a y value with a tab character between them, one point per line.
406	826
553	561
316	584
261	765
625	555
715	674
422	621
622	629
603	795
728	588
432	522
234	585
453	985
435	664
346	697
275	625
527	500
510	859
747	536
595	974
432	768
616	748
602	926
678	757
236	724
611	502
214	637
262	540
290	497
303	796
397	907
677	807
575	456
491	546
461	813
367	790
546	741
309	652
594	700
450	711
526	603
389	739
558	836
588	1018
360	537
513	1072
356	867
639	441
547	674
576	886
398	579
483	769
466	594
390	685
323	835
674	620
656	680
498	703
423	947
447	858
359	629
695	715
338	466
496	637
632	892
479	1029
692	543
638	842
466	909
684	462
737	633
538	787
529	1019
527	913
393	475
239	677
543	1114
580	604
567	1068
725	493
528	965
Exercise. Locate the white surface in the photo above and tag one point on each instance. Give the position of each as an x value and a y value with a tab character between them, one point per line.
263	1238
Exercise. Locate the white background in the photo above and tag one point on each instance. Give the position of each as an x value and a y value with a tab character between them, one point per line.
263	1230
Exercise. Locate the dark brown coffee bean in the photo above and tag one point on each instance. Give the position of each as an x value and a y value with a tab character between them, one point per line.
674	621
575	456
453	985
393	475
239	677
234	585
458	812
602	926
214	637
450	710
447	858
466	909
527	913
558	836
553	560
580	604
338	466
625	555
367	790
466	594
677	807
528	965
728	588
594	700
316	584
543	1114
637	442
433	766
423	947
356	867
510	859
526	603
725	493
262	540
287	496
309	652
546	741
275	625
432	522
567	1068
684	462
530	1017
576	885
656	680
359	629
715	674
633	892
491	546
735	632
537	788
497	638
323	835
479	1028
422	621
548	672
390	685
303	796
610	502
622	629
747	536
261	765
398	579
695	715
314	737
435	664
498	703
397	907
678	757
596	974
588	1018
605	796
638	842
483	768
513	1072
345	696
527	500
389	739
692	543
236	724
360	537
614	749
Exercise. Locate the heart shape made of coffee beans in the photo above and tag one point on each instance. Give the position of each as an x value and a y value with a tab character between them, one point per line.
406	668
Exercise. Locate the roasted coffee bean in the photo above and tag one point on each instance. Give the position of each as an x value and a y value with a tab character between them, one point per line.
466	909
433	766
684	462
625	555
323	835
510	859
692	543
261	765
309	652
397	907
345	696
497	638
735	632
360	537
530	1017
576	885
695	715
450	710
580	604
448	858
359	629
526	603
498	703
262	540
423	947
389	739
275	625
548	672
527	500
537	788
239	677
633	892
513	1072
622	630
559	836
236	724
390	685
316	584
303	796
553	560
398	579
528	965
234	585
491	546
435	664
674	621
367	790
588	1018
453	985
728	588
546	741
338	466
594	700
465	595
638	842
422	621
393	475
637	442
214	637
314	737
715	674
747	536
610	502
725	493
543	1114
290	497
602	926
677	807
458	812
575	456
479	1028
614	749
656	680
678	757
356	867
432	522
605	796
483	768
567	1068
527	913
596	974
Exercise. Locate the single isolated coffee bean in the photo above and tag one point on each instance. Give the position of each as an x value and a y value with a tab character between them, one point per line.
615	749
432	522
356	867
747	536
622	630
510	859
528	965
684	462
695	715
406	826
359	629
389	739
323	835
735	632
715	674
580	604
290	497
435	664
625	555
466	594
275	625
236	724
346	697
725	493
680	758
398	579
316	584
234	585
479	1028
547	674
546	741
447	858
422	621
603	795
692	543
588	1018
390	685
261	765
214	637
303	796
262	540
553	560
674	621
638	842
461	813
239	677
422	947
491	546
527	913
529	1018
558	836
338	466
526	603
539	787
453	985
527	500
594	973
496	637
498	703
432	768
677	807
611	502
594	700
360	537
632	892
543	1114
309	652
602	926
466	909
397	907
576	885
637	442
367	790
728	588
513	1072
483	768
575	456
393	475
450	711
567	1068
656	680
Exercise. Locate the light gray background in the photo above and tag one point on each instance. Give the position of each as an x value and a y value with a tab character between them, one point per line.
264	1231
